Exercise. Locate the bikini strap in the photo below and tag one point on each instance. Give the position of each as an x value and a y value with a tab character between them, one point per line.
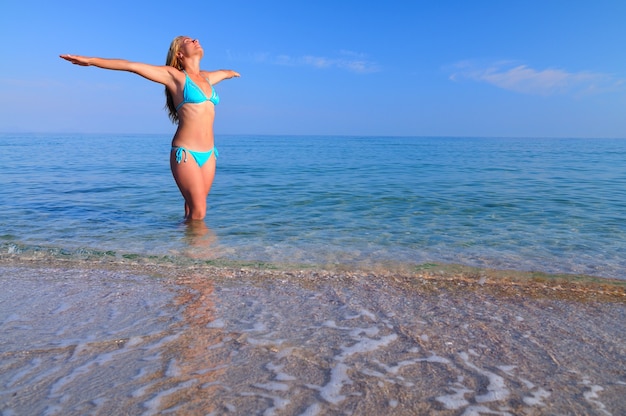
179	154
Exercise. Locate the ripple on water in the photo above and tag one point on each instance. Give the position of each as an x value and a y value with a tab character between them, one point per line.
219	341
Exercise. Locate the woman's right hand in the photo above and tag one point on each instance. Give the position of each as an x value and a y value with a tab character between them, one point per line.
76	59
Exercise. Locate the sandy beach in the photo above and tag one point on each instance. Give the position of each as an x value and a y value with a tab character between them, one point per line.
130	338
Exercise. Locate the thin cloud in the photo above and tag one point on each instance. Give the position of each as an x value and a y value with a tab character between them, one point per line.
346	60
523	79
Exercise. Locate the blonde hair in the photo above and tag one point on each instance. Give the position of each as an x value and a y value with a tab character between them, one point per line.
172	60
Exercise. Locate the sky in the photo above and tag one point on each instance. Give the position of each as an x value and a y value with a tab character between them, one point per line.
499	68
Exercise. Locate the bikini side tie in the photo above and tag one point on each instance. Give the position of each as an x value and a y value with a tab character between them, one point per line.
179	154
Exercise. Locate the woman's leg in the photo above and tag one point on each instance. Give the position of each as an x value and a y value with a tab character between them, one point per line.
194	183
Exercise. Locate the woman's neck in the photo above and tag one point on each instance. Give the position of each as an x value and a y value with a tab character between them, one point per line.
192	66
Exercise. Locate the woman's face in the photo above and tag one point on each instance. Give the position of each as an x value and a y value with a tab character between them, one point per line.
190	47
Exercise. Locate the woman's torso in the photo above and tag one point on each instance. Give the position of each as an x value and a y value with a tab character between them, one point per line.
195	119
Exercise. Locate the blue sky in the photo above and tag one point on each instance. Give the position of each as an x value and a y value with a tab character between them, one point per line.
550	68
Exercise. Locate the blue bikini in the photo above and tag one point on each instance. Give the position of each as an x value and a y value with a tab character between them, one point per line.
200	157
193	94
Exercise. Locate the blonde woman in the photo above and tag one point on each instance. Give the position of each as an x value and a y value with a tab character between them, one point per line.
191	101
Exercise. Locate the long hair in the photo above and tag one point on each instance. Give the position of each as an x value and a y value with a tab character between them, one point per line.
172	60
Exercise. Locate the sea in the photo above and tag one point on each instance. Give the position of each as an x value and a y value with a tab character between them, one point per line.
332	275
529	204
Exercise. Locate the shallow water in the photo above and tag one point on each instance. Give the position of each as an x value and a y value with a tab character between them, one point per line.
203	340
111	306
552	205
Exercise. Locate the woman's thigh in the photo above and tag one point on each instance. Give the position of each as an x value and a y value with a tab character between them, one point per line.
192	180
208	174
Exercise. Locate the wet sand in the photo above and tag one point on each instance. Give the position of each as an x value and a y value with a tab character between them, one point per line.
131	338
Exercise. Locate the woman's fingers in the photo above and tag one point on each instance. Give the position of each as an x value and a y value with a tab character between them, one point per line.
77	60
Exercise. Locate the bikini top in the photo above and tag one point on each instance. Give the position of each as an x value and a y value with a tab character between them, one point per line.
193	94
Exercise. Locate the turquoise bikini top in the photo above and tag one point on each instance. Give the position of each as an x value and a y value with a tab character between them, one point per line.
193	94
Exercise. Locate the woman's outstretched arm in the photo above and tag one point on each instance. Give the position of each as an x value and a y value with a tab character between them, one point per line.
161	74
220	75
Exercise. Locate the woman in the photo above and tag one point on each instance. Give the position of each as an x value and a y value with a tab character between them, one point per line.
191	102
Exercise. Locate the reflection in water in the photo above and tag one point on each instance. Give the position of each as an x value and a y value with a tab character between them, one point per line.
201	240
193	361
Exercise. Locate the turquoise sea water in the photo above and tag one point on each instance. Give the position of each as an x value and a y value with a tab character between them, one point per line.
551	205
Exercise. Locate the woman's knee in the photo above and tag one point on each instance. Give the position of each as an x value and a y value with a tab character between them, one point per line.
197	209
197	214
